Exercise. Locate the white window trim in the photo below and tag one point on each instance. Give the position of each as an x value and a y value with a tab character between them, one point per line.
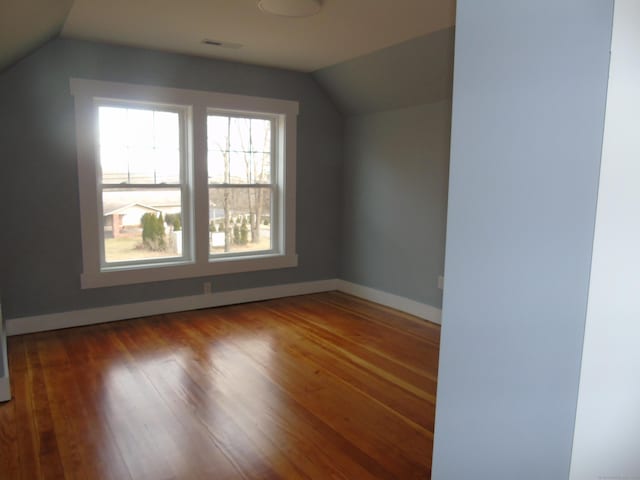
199	103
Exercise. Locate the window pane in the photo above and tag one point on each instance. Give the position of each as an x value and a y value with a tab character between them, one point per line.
139	146
167	130
140	128
166	163
218	132
260	135
142	224
238	167
113	129
215	166
239	150
261	165
115	163
239	220
240	135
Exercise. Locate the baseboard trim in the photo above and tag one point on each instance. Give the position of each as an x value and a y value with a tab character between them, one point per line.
77	318
5	386
90	316
422	310
5	389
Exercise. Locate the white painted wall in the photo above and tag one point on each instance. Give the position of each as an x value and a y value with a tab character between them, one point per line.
607	432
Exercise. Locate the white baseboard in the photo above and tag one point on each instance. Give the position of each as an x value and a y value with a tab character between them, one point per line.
5	386
89	316
422	310
76	318
5	389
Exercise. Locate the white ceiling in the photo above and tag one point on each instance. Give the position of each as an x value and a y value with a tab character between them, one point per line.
344	29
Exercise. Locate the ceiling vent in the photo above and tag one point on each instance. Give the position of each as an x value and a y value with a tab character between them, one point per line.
218	43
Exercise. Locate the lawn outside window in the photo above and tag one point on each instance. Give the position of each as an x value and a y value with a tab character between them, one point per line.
181	183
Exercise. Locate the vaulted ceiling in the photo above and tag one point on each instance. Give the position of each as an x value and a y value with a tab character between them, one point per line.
27	24
343	30
414	72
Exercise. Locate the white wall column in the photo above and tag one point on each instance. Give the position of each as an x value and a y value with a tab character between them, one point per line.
607	434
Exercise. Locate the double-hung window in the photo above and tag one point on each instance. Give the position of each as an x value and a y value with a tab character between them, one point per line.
181	183
242	183
143	183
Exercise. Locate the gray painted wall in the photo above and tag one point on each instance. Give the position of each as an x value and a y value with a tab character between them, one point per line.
40	241
411	73
3	348
395	195
528	112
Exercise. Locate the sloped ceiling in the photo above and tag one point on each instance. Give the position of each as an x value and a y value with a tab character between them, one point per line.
370	55
414	72
343	29
27	24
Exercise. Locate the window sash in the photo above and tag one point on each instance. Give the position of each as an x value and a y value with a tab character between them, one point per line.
274	221
169	259
275	153
277	245
184	185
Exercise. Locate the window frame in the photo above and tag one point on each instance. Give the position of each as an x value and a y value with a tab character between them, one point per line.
87	95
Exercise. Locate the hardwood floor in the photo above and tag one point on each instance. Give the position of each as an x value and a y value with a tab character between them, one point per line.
321	386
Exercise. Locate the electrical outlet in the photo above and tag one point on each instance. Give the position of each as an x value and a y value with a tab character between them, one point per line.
206	287
440	282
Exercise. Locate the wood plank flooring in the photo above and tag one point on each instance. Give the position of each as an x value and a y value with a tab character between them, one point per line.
323	386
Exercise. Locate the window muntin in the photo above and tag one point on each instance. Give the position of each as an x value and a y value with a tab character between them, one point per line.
142	184
242	190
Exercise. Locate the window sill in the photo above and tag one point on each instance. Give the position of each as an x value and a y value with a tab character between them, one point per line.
164	272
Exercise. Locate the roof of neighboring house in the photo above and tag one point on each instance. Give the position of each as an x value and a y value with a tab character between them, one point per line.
113	201
124	208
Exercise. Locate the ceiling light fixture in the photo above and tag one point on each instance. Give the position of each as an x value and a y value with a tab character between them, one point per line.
290	8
